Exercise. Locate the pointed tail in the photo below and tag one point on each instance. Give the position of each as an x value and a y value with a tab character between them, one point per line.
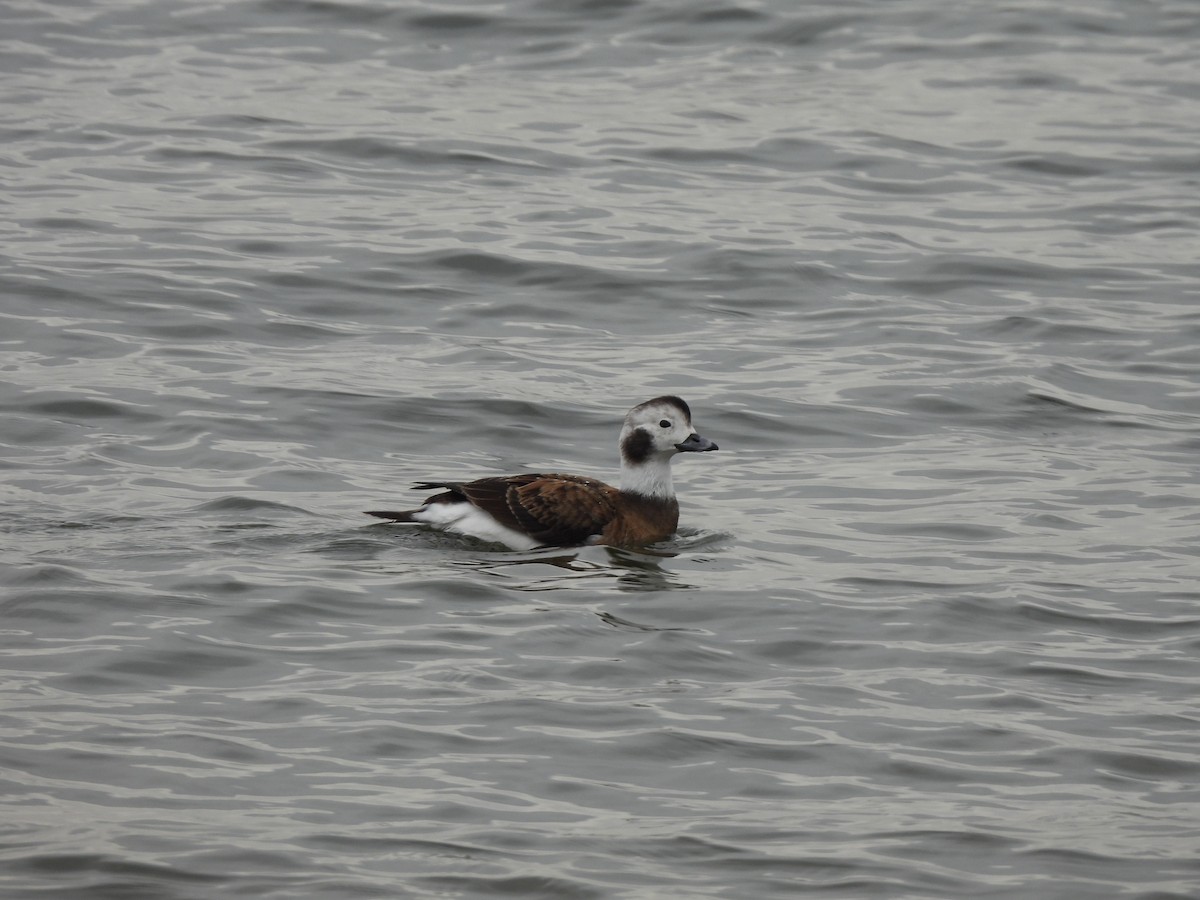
395	515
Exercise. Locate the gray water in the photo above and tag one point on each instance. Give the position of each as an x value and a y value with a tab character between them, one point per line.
927	272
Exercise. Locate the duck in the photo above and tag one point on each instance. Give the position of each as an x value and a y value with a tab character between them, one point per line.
535	510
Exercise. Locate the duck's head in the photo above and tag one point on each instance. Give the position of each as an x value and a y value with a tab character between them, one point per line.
658	429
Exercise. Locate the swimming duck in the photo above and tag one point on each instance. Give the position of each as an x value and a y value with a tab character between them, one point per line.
555	510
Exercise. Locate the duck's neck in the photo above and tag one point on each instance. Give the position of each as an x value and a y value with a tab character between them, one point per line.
651	478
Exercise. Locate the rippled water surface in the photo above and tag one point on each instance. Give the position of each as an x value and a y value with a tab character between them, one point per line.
927	272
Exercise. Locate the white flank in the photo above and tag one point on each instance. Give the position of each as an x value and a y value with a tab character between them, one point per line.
463	518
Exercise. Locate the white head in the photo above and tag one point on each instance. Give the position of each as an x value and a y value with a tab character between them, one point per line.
654	432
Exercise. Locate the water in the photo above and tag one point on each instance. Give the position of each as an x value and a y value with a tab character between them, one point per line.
926	272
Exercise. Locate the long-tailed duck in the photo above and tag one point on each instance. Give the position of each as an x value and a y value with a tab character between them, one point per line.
553	510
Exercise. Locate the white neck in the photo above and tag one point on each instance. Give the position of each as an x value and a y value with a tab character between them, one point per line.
650	479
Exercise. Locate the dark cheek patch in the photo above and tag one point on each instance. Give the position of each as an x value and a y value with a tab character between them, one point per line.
636	446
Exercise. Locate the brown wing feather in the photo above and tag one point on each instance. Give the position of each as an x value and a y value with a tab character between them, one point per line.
560	510
568	509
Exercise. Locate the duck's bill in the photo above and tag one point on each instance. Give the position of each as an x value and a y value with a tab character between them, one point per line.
695	444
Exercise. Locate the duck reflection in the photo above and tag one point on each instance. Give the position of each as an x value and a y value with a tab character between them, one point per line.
627	570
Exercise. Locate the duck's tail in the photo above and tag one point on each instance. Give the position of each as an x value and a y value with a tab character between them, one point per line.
394	515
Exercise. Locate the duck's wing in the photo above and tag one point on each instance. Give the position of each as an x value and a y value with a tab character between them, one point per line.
553	509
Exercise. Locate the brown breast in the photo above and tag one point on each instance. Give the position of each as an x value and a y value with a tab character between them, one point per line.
640	520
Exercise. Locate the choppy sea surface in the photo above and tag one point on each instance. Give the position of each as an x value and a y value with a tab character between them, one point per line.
928	272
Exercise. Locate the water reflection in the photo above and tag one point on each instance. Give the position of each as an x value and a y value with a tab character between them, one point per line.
583	567
618	622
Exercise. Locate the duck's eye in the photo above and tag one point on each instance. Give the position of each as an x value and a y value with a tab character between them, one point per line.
665	423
